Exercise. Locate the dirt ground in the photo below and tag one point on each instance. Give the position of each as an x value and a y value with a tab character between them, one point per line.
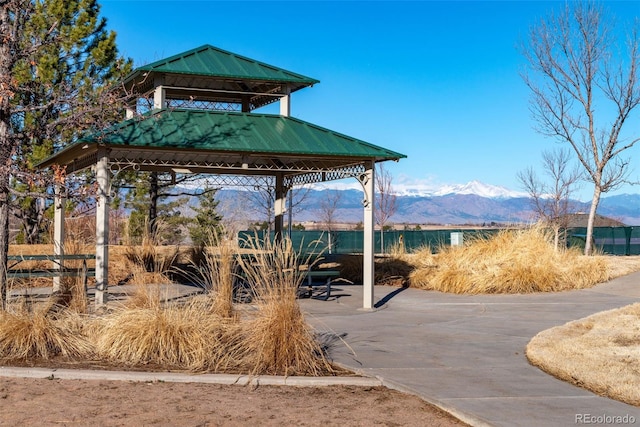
27	401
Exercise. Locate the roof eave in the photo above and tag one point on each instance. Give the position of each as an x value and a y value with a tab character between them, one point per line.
153	67
82	149
139	72
69	155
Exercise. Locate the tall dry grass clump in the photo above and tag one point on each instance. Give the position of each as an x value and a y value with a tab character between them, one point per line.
144	295
217	268
150	256
278	339
72	293
33	334
512	261
272	338
149	265
186	337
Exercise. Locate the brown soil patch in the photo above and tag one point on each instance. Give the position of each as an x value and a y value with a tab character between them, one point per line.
28	401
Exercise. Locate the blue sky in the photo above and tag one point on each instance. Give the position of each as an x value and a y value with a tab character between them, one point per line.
437	81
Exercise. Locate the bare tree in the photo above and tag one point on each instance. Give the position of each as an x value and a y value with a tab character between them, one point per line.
328	209
582	95
234	214
551	199
264	199
386	201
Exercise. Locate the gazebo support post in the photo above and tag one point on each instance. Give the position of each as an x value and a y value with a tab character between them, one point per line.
368	268
159	93
59	202
246	104
290	211
285	102
280	207
130	111
102	227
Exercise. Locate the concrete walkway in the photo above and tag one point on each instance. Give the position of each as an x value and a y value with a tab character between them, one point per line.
466	353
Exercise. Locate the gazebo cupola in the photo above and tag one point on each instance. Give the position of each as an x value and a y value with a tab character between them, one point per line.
209	78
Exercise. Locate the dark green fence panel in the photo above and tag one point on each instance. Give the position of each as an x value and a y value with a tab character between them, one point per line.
608	240
634	241
351	241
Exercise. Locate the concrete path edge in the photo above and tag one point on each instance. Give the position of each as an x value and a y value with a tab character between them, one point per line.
394	385
223	379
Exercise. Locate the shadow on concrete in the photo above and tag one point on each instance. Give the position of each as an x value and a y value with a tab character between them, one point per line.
389	296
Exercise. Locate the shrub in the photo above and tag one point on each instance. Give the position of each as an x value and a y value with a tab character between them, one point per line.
512	261
278	339
186	337
33	334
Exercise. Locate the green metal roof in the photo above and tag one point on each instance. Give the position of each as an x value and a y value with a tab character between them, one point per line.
205	141
211	61
237	132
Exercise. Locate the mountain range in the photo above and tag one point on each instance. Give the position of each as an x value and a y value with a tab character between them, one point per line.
472	203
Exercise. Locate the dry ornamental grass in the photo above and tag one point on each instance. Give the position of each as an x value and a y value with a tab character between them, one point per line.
206	334
189	337
34	334
513	261
600	353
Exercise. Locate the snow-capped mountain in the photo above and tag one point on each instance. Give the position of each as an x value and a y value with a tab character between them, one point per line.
416	189
479	189
412	189
470	203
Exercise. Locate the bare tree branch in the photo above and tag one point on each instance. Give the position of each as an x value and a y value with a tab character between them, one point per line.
551	198
385	201
581	94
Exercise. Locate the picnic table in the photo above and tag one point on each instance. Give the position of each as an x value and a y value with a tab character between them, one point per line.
57	270
319	279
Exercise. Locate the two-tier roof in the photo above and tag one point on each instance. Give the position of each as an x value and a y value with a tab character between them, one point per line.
213	74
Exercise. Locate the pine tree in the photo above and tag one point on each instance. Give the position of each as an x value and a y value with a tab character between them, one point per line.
58	65
76	57
206	227
163	221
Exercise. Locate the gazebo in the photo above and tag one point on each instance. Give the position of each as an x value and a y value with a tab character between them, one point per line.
193	114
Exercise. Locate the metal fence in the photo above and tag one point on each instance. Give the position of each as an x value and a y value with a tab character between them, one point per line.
350	242
607	240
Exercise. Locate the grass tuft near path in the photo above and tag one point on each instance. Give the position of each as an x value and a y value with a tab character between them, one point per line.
600	353
26	334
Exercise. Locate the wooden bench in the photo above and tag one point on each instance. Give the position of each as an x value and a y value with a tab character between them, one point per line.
318	279
27	273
